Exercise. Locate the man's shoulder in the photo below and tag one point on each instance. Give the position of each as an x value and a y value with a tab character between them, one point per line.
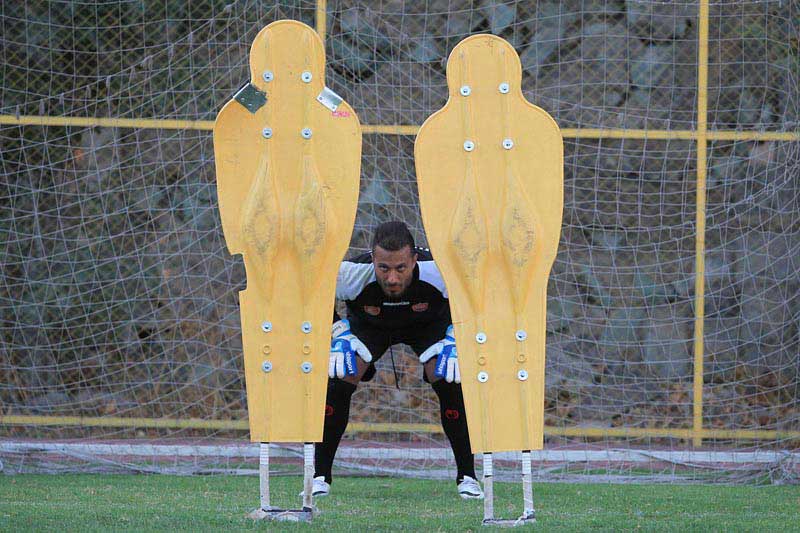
354	274
429	272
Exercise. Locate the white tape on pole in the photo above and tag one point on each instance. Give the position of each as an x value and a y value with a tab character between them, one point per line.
308	475
263	475
488	487
527	485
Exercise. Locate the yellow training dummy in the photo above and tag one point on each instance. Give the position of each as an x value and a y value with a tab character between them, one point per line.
288	156
490	174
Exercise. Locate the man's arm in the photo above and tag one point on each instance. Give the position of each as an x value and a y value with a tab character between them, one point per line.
350	281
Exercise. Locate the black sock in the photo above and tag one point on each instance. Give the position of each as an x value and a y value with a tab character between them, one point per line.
454	423
337	413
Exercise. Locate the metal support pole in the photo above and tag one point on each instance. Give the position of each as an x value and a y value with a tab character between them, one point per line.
488	488
527	487
263	475
265	511
528	512
308	476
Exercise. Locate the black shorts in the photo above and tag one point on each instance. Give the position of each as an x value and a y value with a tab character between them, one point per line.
378	341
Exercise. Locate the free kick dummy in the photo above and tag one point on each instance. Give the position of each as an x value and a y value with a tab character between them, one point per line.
288	158
490	176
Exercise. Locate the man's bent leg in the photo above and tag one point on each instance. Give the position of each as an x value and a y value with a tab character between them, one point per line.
337	413
454	422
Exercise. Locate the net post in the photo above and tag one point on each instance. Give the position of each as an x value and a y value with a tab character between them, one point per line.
263	475
700	244
488	488
321	19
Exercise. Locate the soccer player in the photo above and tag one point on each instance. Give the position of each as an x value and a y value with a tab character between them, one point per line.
393	294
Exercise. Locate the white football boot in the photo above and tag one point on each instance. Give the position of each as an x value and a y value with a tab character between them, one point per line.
470	489
319	488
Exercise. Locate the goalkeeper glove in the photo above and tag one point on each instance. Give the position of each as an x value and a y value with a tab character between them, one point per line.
446	357
344	347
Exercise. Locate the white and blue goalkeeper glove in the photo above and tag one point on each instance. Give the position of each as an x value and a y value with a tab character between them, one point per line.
446	358
344	348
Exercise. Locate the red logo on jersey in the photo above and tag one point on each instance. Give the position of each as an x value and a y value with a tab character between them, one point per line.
328	410
420	307
372	310
451	414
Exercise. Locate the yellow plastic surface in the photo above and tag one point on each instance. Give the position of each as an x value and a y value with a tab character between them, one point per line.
492	216
288	205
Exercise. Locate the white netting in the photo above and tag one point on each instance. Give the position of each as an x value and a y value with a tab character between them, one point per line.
120	320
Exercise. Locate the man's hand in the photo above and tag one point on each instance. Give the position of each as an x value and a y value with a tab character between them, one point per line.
344	347
446	358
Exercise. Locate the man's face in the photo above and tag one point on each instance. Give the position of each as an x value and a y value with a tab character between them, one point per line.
394	271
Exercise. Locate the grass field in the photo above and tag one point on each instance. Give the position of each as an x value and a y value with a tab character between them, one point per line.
161	503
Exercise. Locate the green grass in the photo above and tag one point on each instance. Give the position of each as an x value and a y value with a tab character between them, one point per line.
161	503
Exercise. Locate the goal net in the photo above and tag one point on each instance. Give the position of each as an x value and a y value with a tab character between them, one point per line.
673	319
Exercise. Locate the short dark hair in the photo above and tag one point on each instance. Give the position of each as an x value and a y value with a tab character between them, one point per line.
393	236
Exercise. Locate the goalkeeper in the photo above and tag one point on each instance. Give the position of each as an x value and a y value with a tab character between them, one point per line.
394	294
